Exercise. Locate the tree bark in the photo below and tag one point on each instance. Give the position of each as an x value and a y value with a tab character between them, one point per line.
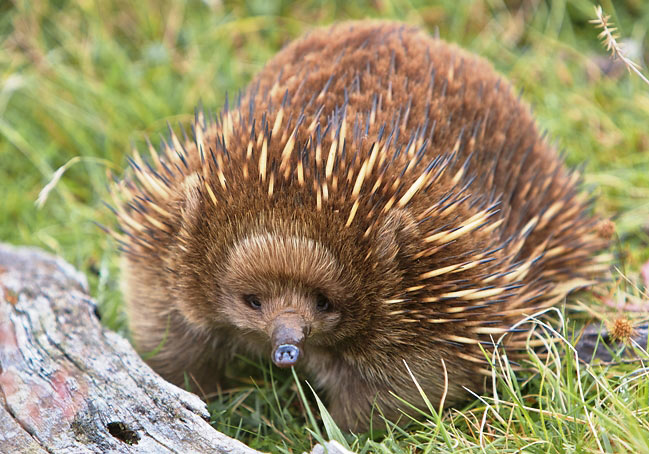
69	385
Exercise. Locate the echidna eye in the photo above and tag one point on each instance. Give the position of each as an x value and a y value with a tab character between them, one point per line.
322	303
252	301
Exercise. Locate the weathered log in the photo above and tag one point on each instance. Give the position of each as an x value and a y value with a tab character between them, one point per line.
69	385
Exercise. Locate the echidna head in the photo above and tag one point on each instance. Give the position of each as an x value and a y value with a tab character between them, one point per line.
290	279
284	288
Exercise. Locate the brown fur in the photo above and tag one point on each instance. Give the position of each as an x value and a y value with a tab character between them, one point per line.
393	174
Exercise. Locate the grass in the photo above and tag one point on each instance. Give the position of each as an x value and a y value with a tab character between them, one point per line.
88	78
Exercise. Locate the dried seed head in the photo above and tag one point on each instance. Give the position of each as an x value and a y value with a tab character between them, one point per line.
621	330
606	229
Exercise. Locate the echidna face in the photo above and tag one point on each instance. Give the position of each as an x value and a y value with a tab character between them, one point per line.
280	278
284	288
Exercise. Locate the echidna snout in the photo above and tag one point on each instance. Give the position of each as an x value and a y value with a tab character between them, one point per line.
286	355
289	330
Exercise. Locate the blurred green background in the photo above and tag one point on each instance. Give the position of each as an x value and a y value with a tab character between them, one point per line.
89	78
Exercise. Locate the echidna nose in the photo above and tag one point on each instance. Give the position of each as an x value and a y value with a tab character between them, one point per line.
286	355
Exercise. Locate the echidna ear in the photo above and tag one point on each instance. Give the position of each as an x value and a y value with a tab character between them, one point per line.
397	235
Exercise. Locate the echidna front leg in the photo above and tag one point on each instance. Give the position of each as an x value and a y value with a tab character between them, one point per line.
358	402
178	351
350	398
180	355
351	406
359	406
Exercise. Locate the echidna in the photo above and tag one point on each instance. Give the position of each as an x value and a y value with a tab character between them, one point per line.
375	197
